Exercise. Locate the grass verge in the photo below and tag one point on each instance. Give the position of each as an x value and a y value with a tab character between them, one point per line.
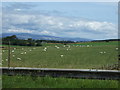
49	82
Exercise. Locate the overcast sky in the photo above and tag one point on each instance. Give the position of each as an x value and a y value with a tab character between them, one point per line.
62	19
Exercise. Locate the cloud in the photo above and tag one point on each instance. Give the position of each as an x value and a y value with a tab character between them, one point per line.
45	32
20	21
13	29
17	9
19	31
20	5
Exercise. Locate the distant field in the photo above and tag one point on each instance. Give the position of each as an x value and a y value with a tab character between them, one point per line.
49	82
80	55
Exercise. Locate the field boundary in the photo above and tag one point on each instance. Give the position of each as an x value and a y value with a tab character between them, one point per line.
67	73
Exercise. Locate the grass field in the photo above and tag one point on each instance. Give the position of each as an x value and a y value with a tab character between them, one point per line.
81	55
78	56
49	82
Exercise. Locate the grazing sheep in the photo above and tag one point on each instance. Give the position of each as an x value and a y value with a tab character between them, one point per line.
87	45
13	51
25	52
101	52
68	46
6	59
14	48
57	47
18	58
21	53
13	55
61	55
45	50
116	48
104	52
63	45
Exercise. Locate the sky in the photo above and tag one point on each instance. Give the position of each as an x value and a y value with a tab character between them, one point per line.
92	20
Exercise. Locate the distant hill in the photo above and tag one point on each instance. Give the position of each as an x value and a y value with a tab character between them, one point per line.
106	40
43	37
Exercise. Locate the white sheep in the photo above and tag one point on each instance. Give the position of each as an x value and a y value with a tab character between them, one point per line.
21	53
12	51
13	55
63	45
18	58
6	59
57	47
87	45
68	46
104	52
61	55
116	48
101	52
14	48
45	50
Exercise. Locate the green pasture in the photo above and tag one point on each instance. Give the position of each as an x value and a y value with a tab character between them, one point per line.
77	57
49	82
98	43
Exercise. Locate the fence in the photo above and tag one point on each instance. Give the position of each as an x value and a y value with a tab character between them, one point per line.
67	73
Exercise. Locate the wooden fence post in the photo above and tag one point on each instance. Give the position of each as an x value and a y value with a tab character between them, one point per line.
9	54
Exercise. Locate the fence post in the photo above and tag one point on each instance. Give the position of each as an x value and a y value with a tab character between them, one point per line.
9	54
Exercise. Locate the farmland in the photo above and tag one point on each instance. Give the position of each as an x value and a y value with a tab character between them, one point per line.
85	55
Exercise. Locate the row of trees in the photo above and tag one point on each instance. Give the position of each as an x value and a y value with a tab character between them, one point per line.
29	42
16	41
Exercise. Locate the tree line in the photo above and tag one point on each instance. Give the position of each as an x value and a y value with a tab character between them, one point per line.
14	40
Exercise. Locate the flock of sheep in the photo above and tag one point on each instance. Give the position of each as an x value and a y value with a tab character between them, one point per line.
68	47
